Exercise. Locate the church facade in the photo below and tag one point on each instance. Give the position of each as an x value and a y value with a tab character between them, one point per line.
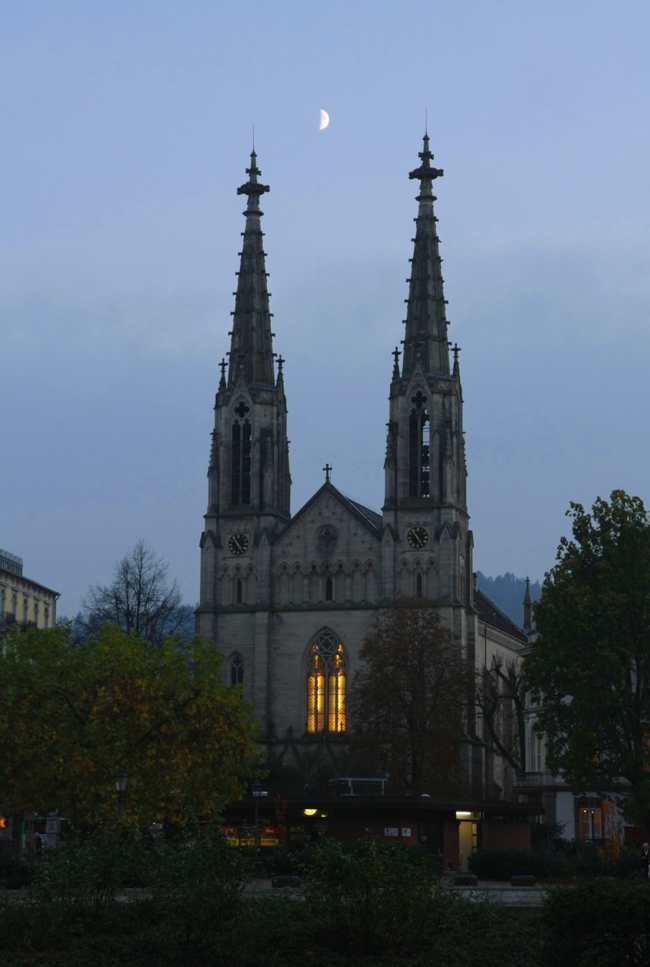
288	599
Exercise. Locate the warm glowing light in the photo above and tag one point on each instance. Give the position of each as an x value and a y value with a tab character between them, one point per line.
463	815
326	686
310	812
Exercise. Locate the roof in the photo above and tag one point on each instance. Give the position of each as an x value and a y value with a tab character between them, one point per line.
373	518
370	518
491	615
21	577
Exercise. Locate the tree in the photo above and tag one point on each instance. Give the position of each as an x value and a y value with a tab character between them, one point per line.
71	715
407	699
501	700
590	666
139	599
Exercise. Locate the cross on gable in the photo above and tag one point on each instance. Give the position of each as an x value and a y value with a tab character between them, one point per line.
328	471
419	400
241	410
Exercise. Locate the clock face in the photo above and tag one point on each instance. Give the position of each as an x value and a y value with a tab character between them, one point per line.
238	544
417	537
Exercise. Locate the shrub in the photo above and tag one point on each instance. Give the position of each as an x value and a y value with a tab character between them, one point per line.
370	898
501	864
196	888
602	923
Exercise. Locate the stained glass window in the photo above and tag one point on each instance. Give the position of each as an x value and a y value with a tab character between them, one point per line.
326	685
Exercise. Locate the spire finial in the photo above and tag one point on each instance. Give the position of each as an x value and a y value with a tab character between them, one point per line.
528	609
328	471
222	381
396	354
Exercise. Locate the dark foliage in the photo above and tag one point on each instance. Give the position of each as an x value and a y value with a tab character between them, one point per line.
590	667
602	923
564	866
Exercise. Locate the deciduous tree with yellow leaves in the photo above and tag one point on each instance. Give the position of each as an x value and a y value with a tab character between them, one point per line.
71	715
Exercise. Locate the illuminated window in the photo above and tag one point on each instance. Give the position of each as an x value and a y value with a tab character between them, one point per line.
240	475
326	685
590	824
419	448
237	670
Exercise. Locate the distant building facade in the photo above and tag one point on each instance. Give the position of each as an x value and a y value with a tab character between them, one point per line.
288	599
23	602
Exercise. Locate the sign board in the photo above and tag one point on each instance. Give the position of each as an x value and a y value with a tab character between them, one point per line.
406	830
391	831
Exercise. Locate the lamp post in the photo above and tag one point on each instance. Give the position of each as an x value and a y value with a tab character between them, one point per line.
121	782
256	789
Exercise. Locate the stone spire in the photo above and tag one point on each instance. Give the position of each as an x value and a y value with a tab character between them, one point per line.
426	325
528	609
251	348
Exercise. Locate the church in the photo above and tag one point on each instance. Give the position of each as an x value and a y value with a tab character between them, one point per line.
289	597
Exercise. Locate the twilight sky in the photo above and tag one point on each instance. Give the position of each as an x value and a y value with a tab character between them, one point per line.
126	128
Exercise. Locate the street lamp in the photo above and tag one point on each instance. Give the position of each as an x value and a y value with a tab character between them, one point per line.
121	782
256	789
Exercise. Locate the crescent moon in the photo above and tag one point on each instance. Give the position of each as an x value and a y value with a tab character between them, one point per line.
324	120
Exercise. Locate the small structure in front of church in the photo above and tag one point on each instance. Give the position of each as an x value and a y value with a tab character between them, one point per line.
289	599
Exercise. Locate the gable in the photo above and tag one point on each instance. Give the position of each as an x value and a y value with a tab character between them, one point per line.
330	527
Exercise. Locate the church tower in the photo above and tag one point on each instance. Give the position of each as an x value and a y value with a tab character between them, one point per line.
248	477
425	497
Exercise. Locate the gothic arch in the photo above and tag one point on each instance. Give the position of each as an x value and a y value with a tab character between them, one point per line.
251	585
235	669
313	581
340	581
284	585
404	578
225	587
238	586
357	581
432	580
370	583
297	585
326	672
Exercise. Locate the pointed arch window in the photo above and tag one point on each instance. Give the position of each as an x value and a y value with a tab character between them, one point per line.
240	476
418	586
239	591
237	670
419	448
326	680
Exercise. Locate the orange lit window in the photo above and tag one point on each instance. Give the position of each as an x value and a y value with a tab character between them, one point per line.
590	824
326	685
